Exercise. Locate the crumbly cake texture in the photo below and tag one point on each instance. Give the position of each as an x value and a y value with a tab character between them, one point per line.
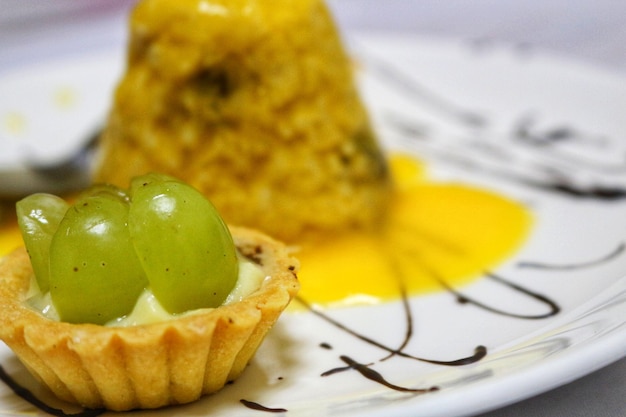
254	103
148	366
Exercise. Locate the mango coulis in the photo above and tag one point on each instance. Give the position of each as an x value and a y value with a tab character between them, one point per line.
10	236
452	230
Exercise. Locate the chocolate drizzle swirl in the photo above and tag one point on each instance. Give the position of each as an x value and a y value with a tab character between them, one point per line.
432	272
371	374
566	267
483	159
479	351
407	86
256	406
366	369
32	399
553	307
476	146
525	131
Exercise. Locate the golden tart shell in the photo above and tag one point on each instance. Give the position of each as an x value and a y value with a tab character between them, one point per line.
152	365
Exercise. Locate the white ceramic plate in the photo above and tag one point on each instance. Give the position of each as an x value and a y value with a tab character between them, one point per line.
538	129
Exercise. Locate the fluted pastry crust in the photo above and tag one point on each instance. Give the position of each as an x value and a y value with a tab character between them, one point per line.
153	365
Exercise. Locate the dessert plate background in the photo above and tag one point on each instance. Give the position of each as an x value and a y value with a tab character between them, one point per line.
539	129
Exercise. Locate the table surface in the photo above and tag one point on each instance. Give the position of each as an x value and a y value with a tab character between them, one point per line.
590	30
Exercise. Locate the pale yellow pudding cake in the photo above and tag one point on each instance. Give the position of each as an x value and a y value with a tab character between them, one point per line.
254	103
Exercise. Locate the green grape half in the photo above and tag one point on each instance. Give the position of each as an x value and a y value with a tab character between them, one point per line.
38	217
95	275
106	189
182	242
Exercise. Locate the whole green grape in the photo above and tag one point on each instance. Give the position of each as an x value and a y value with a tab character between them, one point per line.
183	244
38	217
95	275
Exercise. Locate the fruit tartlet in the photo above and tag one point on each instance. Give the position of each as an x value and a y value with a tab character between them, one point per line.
136	335
254	103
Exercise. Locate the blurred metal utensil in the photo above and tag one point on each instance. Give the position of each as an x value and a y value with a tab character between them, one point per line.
69	174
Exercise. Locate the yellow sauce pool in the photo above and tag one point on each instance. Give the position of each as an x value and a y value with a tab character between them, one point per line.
434	230
10	237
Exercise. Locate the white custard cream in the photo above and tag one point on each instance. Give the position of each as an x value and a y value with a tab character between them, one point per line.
147	308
